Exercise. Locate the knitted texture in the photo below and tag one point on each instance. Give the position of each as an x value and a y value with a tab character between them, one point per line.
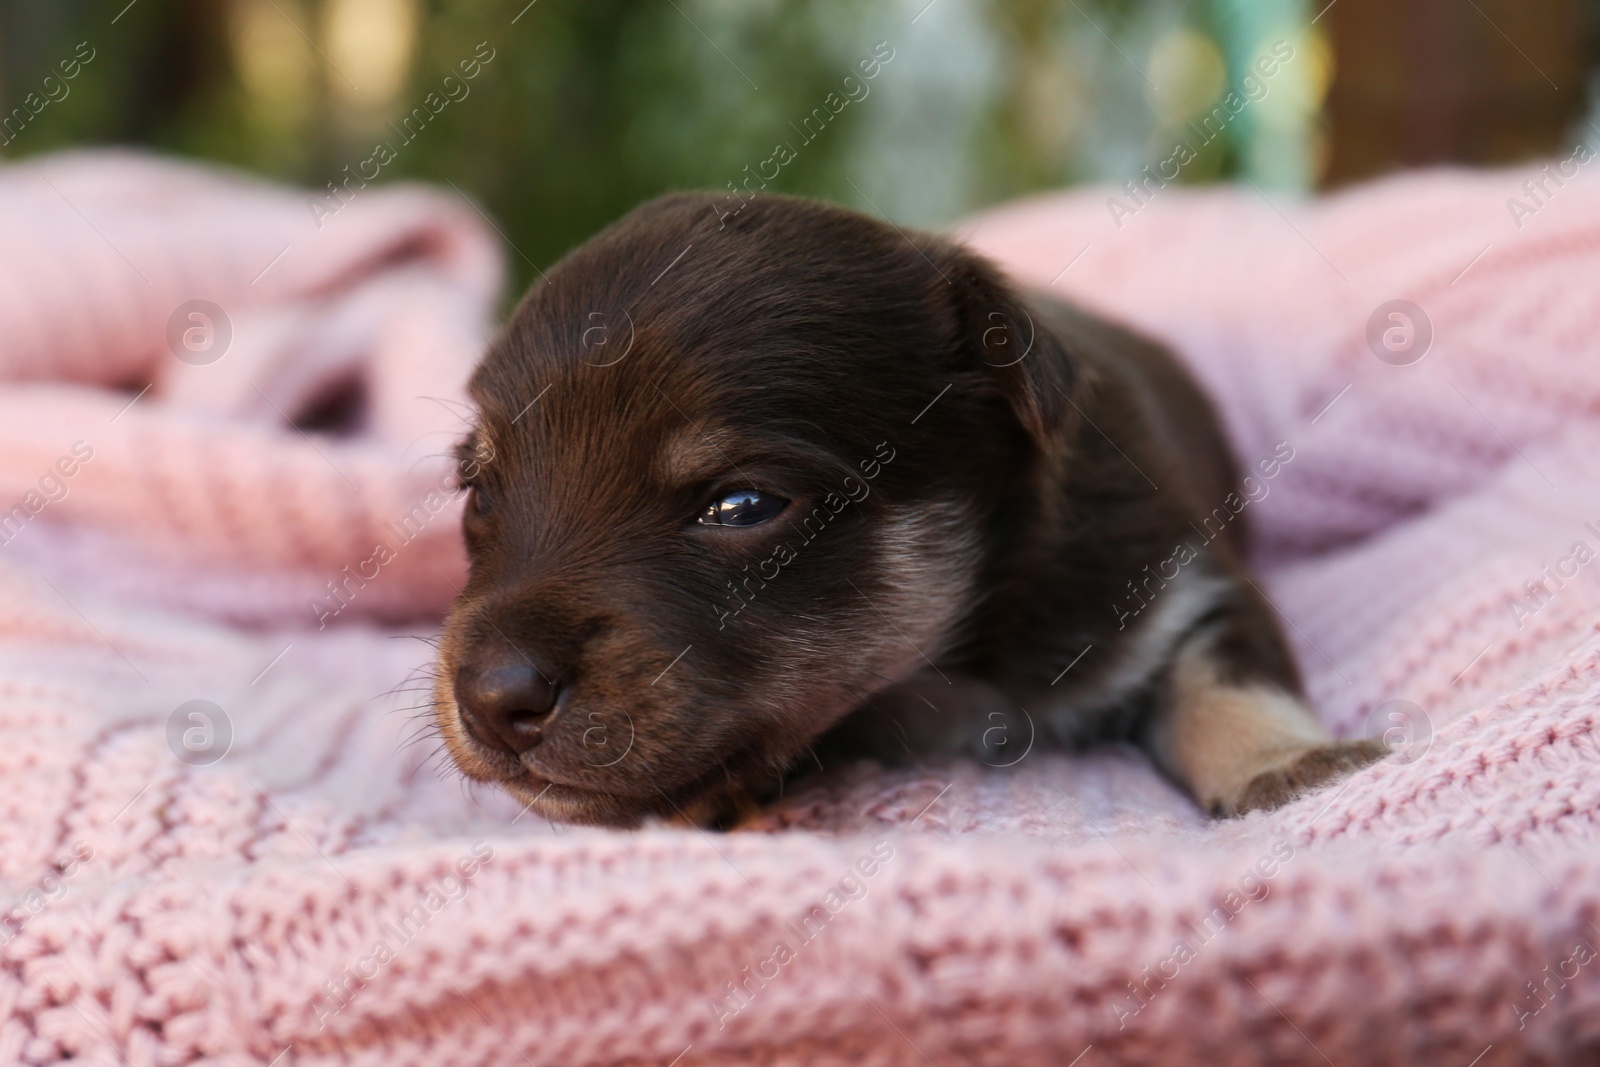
328	893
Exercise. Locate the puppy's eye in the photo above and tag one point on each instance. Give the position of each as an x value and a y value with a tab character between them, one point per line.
481	503
743	507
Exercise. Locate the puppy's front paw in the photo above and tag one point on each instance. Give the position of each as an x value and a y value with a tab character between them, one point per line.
718	811
1304	771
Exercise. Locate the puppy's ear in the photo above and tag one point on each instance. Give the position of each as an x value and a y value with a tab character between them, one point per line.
1005	337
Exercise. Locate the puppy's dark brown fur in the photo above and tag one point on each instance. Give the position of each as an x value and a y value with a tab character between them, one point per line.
978	480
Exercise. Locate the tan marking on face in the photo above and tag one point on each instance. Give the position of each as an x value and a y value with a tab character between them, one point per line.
928	557
694	454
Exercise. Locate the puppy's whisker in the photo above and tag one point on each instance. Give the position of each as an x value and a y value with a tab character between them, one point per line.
461	410
427	639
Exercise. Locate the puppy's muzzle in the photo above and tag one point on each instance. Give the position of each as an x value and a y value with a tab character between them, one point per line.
506	700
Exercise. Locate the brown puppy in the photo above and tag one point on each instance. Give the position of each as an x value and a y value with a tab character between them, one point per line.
788	475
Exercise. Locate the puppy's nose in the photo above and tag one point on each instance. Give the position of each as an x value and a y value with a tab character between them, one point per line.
504	699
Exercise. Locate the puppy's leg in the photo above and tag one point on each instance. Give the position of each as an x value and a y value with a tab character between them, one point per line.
1238	738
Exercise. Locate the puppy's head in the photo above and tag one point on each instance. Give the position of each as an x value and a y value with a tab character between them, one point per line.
732	474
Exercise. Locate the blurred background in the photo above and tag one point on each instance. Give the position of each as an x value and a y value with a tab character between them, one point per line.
575	111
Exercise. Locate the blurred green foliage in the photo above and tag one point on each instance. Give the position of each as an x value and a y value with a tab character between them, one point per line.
589	107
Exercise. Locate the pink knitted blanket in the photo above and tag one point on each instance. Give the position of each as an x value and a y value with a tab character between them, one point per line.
273	875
